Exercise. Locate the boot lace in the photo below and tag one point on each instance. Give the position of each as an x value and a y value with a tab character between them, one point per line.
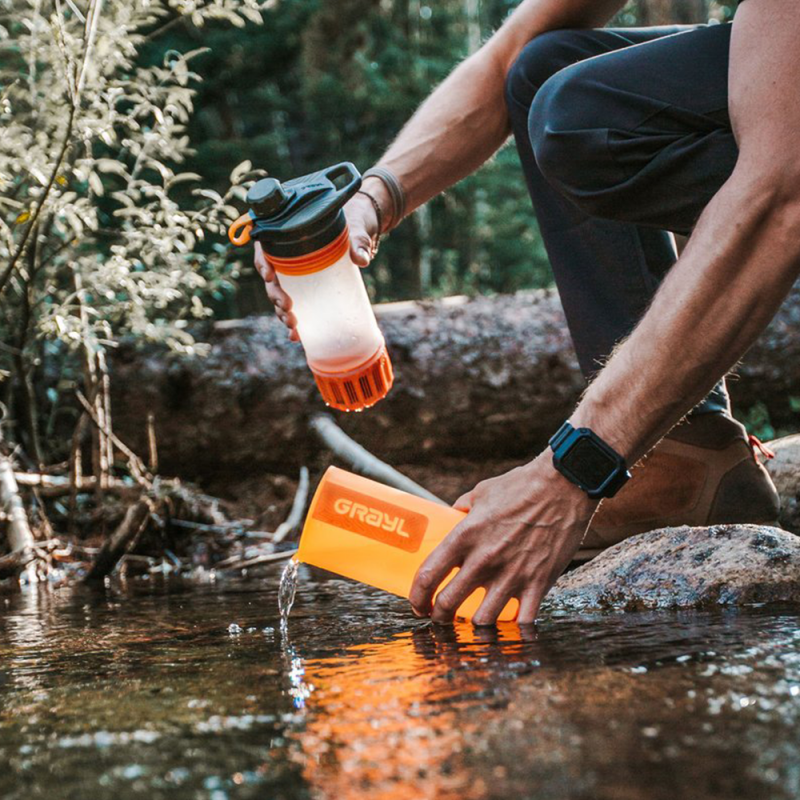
759	447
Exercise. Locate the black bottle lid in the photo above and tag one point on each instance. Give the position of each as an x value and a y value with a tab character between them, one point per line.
302	215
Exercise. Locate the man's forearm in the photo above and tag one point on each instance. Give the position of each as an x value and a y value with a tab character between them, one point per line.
739	265
459	127
464	121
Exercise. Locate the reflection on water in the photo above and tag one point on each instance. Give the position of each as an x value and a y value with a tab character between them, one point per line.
171	691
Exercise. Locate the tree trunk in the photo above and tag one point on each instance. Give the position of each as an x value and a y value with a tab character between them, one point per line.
486	378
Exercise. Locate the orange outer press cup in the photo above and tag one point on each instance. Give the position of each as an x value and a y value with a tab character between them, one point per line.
378	535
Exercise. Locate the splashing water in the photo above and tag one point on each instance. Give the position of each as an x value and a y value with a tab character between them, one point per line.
287	591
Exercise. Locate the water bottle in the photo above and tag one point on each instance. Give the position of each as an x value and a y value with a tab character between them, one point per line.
302	229
379	535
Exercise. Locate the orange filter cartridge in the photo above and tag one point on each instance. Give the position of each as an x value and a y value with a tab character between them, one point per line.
303	232
377	535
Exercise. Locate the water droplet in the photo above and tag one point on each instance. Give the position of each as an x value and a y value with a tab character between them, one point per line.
234	629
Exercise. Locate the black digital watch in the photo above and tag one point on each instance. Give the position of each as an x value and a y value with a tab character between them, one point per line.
583	458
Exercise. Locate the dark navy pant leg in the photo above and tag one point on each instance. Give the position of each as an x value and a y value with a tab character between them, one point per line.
609	172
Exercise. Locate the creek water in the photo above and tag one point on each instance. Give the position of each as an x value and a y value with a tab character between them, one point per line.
164	690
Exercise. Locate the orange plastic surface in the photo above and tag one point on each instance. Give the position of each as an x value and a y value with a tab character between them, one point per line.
313	262
369	532
359	388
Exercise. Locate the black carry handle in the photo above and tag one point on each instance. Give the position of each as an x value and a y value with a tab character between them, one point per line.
348	170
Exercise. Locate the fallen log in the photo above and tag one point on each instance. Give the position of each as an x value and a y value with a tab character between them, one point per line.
491	377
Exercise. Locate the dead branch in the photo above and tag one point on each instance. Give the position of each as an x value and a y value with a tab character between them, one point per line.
295	519
58	486
362	461
20	538
121	539
75	471
237	528
252	562
152	443
138	470
193	503
100	463
104	399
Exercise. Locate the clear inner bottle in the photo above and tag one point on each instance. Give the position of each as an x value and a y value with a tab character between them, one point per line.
335	320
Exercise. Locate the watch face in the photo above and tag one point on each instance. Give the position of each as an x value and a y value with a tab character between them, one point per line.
589	463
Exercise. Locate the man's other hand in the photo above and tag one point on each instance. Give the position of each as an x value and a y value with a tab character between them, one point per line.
522	530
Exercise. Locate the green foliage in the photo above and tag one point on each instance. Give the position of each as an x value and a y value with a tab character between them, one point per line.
101	231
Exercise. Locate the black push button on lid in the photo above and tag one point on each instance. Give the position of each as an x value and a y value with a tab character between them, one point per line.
266	197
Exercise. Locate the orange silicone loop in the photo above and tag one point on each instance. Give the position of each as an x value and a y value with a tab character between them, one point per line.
239	231
313	262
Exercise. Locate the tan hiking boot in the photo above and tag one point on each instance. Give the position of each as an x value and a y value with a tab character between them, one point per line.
704	472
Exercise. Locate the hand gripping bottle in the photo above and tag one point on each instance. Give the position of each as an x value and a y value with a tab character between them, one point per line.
372	533
303	231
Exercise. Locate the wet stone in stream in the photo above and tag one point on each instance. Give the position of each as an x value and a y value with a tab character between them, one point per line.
687	568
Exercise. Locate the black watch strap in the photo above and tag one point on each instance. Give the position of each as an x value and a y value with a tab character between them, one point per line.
582	457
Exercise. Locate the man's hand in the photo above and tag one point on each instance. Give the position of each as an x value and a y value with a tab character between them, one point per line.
363	224
521	532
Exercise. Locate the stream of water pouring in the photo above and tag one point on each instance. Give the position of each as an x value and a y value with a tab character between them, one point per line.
287	591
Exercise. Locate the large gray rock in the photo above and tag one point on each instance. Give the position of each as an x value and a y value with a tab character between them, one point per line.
687	568
784	469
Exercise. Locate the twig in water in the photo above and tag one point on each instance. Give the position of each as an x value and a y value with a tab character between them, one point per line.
117	544
362	461
252	562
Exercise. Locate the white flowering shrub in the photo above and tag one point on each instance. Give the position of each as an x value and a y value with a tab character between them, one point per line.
101	234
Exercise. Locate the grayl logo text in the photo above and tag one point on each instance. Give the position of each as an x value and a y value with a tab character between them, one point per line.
370	516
